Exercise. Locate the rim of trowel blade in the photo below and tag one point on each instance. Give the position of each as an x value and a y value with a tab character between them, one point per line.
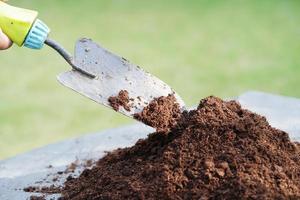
113	74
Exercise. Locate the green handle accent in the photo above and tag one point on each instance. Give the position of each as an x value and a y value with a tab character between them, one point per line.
16	22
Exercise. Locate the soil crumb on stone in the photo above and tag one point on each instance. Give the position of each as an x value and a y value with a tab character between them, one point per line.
45	190
121	100
218	151
162	113
37	198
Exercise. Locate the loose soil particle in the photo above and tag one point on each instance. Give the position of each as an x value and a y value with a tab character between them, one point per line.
121	100
162	113
45	190
37	198
218	151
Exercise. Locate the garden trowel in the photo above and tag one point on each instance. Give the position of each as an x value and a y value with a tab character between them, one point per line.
113	74
96	73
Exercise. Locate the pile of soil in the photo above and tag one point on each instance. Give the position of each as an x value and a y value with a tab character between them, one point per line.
218	151
121	100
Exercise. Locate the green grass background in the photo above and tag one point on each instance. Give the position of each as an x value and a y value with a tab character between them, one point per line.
200	48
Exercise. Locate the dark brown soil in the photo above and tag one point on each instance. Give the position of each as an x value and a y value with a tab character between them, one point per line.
70	170
37	198
218	151
45	190
162	113
121	100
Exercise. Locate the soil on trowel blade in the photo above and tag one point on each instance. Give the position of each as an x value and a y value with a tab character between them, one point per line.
218	151
162	113
121	100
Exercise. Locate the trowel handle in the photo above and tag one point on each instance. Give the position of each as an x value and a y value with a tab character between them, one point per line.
22	26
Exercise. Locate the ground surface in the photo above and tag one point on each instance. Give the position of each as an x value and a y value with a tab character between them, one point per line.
198	47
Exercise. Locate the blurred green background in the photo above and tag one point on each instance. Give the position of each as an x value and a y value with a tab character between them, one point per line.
200	48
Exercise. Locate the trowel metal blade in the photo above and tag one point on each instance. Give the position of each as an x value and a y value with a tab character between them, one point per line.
113	74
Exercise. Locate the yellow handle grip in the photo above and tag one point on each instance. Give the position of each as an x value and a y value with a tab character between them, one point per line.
16	22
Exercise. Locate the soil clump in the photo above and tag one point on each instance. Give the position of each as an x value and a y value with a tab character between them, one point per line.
122	99
162	113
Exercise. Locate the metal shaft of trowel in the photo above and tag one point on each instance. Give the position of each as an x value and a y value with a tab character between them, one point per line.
67	56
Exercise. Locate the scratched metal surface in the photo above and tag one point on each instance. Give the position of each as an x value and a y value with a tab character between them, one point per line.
113	74
28	168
